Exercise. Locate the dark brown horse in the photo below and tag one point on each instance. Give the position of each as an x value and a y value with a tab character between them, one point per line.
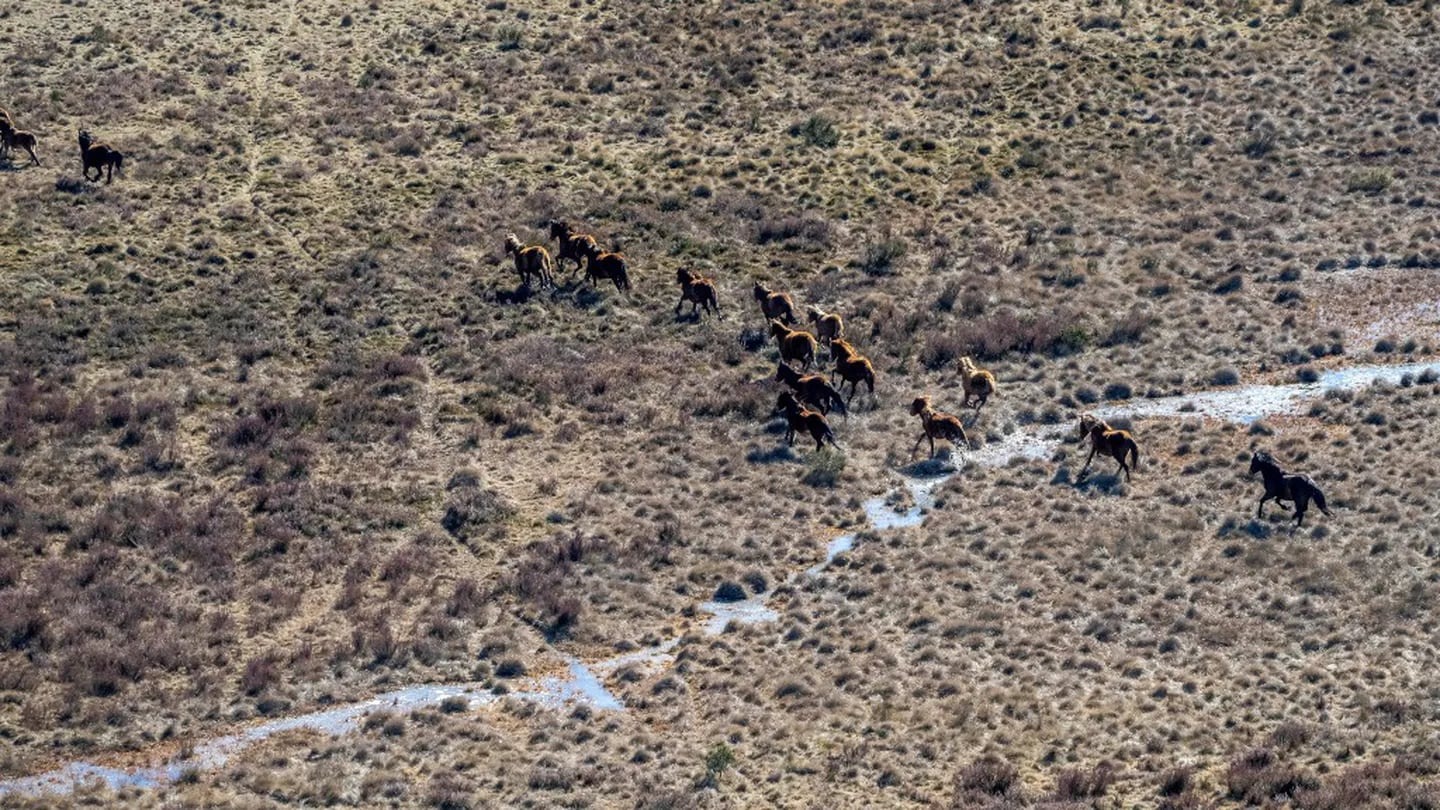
775	305
1116	444
795	344
100	157
573	244
610	266
1283	486
798	417
811	389
10	138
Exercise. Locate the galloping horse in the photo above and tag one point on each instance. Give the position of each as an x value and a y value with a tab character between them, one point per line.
1116	444
100	157
1283	486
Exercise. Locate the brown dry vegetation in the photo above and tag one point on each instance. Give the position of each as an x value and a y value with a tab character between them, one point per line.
279	429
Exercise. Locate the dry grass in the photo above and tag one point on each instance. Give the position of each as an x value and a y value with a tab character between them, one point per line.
279	429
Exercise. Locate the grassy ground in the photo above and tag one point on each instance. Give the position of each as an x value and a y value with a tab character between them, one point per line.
281	429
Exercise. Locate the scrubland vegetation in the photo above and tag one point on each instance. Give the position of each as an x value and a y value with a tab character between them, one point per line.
282	429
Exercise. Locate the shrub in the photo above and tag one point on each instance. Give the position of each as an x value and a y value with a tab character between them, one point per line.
1075	783
1225	376
1229	284
817	130
988	775
471	506
1369	181
260	673
1118	390
717	760
824	468
1177	780
879	258
1257	777
729	591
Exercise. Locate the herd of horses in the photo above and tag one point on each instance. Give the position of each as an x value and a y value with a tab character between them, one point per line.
101	157
811	397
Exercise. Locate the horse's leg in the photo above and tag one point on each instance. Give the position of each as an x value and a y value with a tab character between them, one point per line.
932	443
1301	503
1088	459
917	444
1123	467
1260	510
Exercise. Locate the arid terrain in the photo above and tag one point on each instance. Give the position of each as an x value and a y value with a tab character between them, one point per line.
280	429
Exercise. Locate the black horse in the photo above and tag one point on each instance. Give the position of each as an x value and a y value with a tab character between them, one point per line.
1283	486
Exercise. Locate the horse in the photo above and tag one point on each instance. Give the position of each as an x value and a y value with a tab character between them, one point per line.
937	426
852	367
795	344
573	244
1283	486
798	417
775	305
1114	443
978	383
612	266
811	389
698	290
531	261
100	157
10	137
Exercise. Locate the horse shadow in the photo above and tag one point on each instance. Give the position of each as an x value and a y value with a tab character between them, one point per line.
930	467
691	317
519	295
1103	483
778	454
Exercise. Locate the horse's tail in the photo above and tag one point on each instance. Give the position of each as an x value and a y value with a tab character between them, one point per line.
120	163
1134	455
1320	500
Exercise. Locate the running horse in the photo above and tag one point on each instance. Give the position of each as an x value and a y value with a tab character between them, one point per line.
1283	486
100	157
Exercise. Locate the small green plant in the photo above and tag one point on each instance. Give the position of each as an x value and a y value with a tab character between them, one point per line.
879	258
1370	181
825	468
508	37
717	760
818	130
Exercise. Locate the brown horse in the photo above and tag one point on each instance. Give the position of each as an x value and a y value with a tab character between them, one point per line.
829	326
573	244
100	157
10	137
600	265
937	426
1118	444
798	417
795	344
698	290
852	367
978	383
811	389
775	305
530	261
